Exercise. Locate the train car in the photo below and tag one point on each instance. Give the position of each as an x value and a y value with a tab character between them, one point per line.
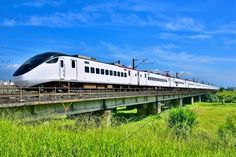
58	69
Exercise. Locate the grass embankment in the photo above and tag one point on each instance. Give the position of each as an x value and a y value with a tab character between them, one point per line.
147	136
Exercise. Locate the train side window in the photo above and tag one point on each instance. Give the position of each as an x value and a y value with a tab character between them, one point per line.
122	74
145	75
92	70
129	73
54	60
111	72
125	74
86	62
97	71
86	69
73	64
62	64
118	73
107	72
102	71
114	73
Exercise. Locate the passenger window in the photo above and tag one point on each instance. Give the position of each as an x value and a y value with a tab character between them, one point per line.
86	62
73	64
54	60
86	69
111	72
145	75
114	73
62	64
118	73
92	70
107	72
129	72
102	71
97	71
125	74
122	74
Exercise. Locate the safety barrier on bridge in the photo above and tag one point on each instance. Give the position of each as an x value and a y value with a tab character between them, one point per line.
32	96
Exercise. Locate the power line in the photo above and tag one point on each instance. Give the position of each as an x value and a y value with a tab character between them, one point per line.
15	49
137	130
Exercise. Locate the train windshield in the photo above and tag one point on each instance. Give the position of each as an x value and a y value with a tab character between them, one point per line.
36	61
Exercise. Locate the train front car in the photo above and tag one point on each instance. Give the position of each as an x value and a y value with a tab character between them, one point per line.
37	70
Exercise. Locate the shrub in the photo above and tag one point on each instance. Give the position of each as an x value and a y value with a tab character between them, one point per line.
229	99
227	131
181	121
212	98
221	89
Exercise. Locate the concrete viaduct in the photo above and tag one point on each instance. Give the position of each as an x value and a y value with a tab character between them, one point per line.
73	102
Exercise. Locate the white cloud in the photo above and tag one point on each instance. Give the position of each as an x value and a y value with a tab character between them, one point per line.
9	66
199	36
187	58
59	20
41	3
125	54
167	54
8	22
229	28
183	24
175	36
230	42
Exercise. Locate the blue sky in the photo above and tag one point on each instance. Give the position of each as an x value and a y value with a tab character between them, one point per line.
196	38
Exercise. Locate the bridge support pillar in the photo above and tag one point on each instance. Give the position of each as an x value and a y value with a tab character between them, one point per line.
180	102
106	118
200	98
192	100
158	105
142	109
152	108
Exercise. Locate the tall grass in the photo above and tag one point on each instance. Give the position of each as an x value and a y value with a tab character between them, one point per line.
147	136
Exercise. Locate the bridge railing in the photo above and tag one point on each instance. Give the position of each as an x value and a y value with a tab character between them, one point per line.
55	94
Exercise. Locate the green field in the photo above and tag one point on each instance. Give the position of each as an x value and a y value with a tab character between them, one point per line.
130	135
227	93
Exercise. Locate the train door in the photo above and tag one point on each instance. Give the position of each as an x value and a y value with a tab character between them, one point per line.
130	76
62	69
138	77
170	81
73	70
145	76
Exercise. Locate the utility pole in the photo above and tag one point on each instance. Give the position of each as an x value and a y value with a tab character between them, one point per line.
167	73
133	62
177	75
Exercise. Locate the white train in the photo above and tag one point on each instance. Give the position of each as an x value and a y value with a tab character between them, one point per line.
58	69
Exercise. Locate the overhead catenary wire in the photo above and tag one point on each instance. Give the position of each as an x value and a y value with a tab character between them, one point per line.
15	49
137	130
